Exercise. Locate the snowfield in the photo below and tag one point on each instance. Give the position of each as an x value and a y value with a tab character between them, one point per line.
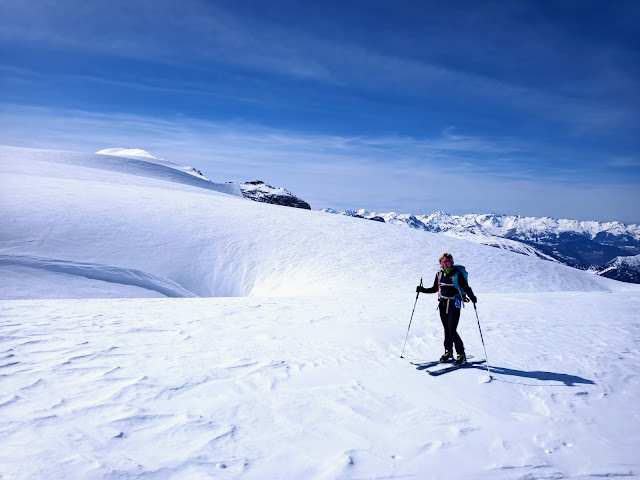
288	366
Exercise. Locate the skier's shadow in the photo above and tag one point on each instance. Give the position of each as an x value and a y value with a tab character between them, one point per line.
568	380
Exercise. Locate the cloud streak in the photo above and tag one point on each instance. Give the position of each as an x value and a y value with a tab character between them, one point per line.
199	33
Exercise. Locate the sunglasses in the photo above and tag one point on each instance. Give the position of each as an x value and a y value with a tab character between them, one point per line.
445	262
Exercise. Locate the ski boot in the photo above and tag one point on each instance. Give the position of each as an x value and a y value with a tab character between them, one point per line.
461	359
447	356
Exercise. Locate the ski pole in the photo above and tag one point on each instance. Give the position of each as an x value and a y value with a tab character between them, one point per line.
481	338
414	309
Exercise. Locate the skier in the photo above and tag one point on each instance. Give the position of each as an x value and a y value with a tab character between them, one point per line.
453	289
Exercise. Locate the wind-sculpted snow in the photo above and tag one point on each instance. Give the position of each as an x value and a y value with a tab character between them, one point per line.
136	154
67	207
104	273
314	388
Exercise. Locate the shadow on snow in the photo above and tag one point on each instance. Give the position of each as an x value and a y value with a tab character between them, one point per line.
568	380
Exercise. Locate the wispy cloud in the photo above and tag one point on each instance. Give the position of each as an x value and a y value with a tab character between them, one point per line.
624	162
200	33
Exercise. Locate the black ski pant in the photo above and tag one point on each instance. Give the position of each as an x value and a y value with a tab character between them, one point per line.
450	317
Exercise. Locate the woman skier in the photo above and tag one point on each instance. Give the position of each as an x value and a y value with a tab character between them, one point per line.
453	289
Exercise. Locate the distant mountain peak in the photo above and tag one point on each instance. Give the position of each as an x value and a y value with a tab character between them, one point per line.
626	269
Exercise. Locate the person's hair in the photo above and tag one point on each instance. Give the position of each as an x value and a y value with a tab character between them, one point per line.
446	256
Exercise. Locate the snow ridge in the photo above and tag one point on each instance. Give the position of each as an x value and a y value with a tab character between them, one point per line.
105	273
127	152
138	154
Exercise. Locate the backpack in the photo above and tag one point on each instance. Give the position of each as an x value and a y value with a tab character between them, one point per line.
459	269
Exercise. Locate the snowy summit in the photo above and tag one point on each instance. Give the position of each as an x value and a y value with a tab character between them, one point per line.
139	154
126	152
156	324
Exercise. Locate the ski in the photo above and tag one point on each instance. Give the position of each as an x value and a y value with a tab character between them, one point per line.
451	368
426	364
429	364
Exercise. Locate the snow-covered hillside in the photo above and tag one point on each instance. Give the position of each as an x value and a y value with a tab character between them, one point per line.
299	375
571	242
623	268
136	153
125	222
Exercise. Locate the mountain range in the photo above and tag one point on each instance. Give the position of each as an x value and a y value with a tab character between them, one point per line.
602	248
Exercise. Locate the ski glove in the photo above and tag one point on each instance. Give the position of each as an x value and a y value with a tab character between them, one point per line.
474	299
420	289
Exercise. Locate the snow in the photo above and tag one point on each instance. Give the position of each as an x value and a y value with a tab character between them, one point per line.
496	226
264	189
126	152
260	191
314	388
499	242
289	365
138	154
631	262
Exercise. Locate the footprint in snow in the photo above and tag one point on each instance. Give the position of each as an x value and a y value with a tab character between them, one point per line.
432	447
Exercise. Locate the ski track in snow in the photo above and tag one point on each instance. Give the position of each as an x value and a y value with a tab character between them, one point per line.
314	388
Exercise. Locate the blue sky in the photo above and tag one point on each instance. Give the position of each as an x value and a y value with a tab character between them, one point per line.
527	108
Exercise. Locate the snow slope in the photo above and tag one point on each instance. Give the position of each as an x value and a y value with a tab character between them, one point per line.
470	232
313	388
299	376
571	242
136	154
132	222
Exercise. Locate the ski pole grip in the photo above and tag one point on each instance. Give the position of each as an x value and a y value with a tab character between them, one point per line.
418	293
